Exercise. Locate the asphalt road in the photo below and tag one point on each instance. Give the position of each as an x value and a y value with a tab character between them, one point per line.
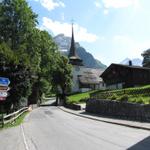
49	128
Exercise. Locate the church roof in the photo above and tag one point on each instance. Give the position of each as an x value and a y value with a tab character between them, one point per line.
90	76
74	59
89	79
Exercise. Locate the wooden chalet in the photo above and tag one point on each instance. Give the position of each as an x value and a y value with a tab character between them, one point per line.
118	76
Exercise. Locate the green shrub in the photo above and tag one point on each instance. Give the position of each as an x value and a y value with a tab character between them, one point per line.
133	100
83	100
123	98
113	97
133	92
140	100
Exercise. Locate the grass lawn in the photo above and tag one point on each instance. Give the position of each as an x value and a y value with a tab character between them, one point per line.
17	122
79	98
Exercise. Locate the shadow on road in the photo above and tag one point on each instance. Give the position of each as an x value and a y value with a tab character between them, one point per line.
45	105
142	145
111	117
102	116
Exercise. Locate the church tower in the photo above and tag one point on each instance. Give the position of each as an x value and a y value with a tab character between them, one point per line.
74	59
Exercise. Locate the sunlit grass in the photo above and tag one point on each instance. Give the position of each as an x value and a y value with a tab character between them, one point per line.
79	98
17	122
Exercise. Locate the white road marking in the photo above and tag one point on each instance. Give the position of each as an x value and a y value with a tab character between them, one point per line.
24	138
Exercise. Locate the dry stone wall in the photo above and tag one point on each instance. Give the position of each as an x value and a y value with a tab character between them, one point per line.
126	110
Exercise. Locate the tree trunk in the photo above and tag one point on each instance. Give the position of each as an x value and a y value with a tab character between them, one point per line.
63	97
57	100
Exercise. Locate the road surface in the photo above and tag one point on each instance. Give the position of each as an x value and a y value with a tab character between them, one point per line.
49	128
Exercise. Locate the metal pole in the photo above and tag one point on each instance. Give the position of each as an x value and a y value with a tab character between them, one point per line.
2	120
2	116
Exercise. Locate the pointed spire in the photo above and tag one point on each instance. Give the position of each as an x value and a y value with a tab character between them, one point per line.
74	59
72	47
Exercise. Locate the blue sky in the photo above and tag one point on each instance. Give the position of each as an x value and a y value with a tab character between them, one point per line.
111	30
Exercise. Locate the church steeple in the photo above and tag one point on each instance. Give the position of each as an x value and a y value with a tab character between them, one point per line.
74	59
72	47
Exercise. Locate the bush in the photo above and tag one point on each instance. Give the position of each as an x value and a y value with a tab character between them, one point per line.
140	100
133	100
83	100
123	98
113	97
149	101
132	92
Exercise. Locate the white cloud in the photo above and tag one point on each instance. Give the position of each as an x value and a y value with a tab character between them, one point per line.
130	46
116	4
51	4
120	3
98	4
106	11
81	33
61	4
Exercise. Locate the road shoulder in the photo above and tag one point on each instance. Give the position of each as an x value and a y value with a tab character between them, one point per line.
132	124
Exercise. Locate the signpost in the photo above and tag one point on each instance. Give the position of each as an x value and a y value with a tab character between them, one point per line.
4	88
2	98
3	94
4	83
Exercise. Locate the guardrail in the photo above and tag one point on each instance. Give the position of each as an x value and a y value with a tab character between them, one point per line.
13	116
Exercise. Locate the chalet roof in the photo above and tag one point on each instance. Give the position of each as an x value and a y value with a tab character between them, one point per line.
127	66
90	76
89	79
123	66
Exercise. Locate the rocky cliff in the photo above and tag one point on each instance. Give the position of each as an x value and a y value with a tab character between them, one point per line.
63	43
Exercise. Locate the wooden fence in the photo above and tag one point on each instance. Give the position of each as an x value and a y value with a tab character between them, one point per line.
12	117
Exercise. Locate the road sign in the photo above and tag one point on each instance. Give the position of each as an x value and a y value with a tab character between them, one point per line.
4	81
3	94
4	88
2	98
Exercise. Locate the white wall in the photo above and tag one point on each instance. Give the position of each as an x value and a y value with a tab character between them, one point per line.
115	86
77	70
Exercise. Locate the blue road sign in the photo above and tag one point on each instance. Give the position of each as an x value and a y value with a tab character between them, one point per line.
4	81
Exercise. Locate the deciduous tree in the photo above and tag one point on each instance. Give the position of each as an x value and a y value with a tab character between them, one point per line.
62	78
146	58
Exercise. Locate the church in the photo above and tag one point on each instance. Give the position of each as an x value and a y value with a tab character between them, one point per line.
84	79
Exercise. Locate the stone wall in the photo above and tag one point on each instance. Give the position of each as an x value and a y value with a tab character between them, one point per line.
73	106
131	111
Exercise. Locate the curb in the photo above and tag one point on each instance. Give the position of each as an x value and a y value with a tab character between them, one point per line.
116	123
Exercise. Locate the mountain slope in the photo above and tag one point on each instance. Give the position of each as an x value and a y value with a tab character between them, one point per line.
63	43
88	59
135	61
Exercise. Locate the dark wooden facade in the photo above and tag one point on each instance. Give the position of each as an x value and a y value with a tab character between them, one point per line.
123	76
